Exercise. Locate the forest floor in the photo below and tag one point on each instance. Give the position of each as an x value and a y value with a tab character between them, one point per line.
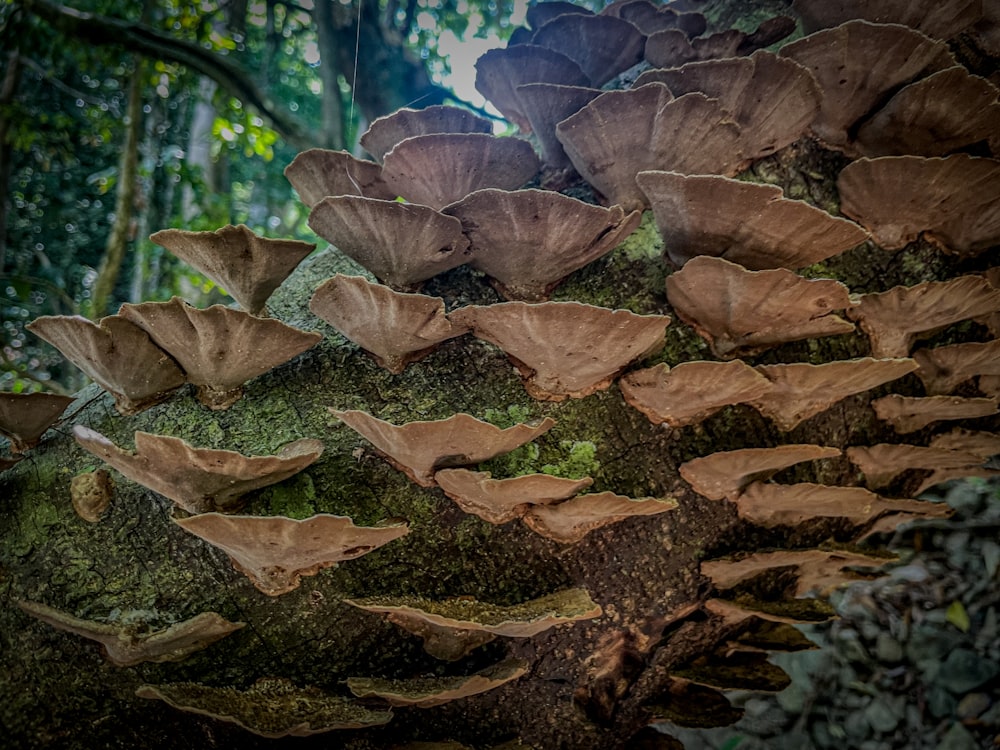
912	663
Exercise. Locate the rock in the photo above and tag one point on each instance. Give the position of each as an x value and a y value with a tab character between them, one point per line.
991	557
957	738
964	670
972	705
857	727
887	649
885	711
940	702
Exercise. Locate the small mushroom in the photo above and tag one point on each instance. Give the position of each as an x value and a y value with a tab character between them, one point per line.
24	417
219	349
116	354
198	479
726	474
317	173
387	131
395	328
741	312
402	244
908	414
126	645
570	521
454	627
272	707
90	493
747	223
565	349
603	46
944	368
882	463
691	392
274	552
499	501
247	266
418	449
427	692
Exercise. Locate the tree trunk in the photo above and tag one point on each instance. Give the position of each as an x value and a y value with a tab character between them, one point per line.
8	88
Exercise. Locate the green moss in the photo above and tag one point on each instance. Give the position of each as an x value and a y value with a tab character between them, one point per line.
293	498
580	461
644	243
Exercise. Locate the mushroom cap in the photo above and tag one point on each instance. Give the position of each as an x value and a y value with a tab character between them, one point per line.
622	133
218	348
124	647
274	552
539	14
944	368
318	172
499	501
857	64
530	240
649	17
741	312
603	46
247	266
726	474
773	99
691	392
117	354
893	319
24	417
941	19
402	244
570	521
441	168
395	328
800	391
884	462
983	444
670	48
545	105
427	692
953	201
272	707
420	448
565	349
385	132
198	479
748	223
908	414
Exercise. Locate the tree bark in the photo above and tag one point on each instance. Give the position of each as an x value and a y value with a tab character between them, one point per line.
8	88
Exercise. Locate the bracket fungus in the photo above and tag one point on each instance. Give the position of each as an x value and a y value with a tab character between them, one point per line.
274	552
570	521
942	19
24	417
882	463
944	368
909	414
669	48
800	391
545	105
747	223
691	392
603	46
247	266
427	692
528	241
418	449
726	474
650	17
318	172
565	349
116	354
199	480
126	645
219	349
272	707
452	628
953	201
395	328
499	501
385	132
741	312
895	318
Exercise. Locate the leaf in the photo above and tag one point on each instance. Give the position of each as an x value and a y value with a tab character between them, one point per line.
957	616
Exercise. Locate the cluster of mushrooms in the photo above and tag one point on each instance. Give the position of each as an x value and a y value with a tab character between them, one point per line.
654	115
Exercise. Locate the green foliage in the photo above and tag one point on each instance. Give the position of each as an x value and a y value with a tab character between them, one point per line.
580	460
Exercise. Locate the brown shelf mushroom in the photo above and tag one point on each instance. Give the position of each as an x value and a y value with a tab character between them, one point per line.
317	173
545	105
24	417
528	241
726	474
427	692
126	645
944	368
670	48
452	628
603	46
741	312
800	391
272	707
6	463
565	349
954	201
219	349
402	244
247	266
274	552
622	133
385	132
895	318
747	223
908	414
499	501
691	392
984	444
942	19
539	14
395	328
116	354
730	667
649	17
882	463
570	521
418	449
199	480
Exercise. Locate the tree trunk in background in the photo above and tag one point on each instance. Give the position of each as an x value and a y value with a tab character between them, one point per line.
331	131
8	88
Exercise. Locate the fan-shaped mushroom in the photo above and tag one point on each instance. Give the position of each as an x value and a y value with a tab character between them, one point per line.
726	474
24	417
908	414
570	521
603	46
387	131
317	173
427	692
502	500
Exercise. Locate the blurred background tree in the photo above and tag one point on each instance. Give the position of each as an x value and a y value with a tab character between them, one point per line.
122	117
